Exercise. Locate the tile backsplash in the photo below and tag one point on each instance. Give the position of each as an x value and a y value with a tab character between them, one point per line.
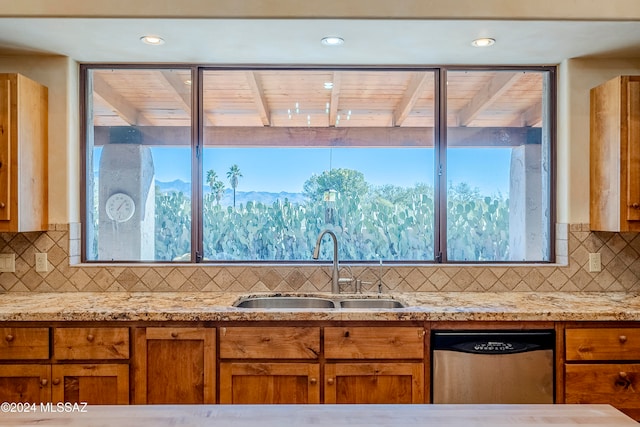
620	255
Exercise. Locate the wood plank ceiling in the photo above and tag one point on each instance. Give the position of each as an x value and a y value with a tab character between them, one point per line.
317	98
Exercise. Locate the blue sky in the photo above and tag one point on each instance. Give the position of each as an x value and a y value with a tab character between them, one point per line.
286	169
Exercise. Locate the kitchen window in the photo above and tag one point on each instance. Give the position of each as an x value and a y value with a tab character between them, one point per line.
229	164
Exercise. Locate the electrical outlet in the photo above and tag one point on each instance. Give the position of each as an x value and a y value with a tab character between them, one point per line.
41	263
7	263
595	263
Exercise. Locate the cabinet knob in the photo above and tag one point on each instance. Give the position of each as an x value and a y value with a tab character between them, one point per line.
174	334
90	338
9	338
346	334
622	339
2	205
622	375
330	381
44	382
56	381
313	381
635	205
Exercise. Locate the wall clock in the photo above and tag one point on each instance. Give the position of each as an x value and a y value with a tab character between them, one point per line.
120	207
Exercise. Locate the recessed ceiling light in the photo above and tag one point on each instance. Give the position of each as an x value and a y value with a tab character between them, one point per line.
332	41
483	42
152	40
328	85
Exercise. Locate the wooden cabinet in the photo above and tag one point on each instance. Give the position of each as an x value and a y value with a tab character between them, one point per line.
270	375
374	382
25	383
24	343
95	384
91	343
175	365
382	373
89	379
269	382
23	154
603	366
615	155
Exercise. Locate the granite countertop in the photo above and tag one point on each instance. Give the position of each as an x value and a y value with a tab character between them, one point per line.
420	306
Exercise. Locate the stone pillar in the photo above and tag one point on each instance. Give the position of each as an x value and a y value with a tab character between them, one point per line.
127	168
527	205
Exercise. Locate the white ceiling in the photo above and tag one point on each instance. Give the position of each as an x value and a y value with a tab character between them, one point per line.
297	41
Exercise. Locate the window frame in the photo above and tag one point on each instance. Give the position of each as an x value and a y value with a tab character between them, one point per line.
440	149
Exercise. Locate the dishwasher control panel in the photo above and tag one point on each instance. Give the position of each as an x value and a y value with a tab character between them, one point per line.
493	342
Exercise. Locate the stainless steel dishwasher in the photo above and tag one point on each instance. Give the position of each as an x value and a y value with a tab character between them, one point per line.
492	366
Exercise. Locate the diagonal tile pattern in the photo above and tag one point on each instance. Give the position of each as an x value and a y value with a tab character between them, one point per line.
620	253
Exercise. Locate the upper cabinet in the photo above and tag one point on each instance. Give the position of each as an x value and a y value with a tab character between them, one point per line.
615	155
23	154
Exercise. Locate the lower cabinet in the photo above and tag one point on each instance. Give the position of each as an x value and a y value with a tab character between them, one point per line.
264	365
374	364
262	383
95	384
603	366
25	383
83	365
175	365
388	383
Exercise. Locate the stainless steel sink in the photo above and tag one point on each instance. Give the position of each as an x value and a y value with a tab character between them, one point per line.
370	303
286	302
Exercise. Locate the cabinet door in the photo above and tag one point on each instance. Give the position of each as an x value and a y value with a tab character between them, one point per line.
6	168
95	384
633	150
174	365
264	383
381	383
25	383
613	384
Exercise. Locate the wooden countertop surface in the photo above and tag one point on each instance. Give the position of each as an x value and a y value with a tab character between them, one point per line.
326	415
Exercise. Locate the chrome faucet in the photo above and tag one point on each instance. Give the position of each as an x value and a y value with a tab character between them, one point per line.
335	274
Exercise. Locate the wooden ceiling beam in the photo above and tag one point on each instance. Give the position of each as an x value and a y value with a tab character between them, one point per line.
414	90
246	136
262	106
486	96
118	104
335	99
178	88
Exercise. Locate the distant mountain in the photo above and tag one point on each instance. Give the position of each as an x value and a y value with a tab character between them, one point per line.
242	197
174	186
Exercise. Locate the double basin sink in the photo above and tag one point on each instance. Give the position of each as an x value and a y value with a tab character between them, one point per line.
303	302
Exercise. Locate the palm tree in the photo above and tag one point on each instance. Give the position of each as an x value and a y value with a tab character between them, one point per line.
233	175
212	178
218	190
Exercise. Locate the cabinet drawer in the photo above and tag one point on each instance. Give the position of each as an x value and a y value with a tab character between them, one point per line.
90	343
374	343
24	343
269	343
603	344
615	384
